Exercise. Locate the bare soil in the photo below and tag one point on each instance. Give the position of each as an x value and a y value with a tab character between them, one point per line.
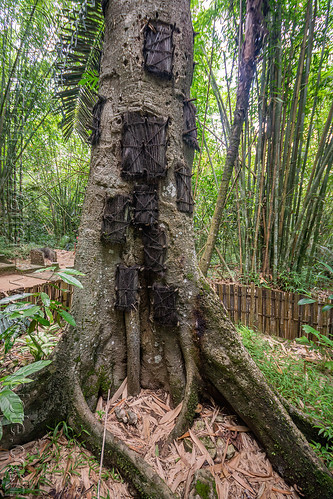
25	278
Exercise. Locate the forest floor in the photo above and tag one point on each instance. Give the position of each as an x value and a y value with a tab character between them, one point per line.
26	278
217	452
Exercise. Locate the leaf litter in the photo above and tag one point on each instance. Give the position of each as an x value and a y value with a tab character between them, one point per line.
58	467
217	446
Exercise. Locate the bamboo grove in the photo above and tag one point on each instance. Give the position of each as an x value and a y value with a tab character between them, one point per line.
276	216
41	181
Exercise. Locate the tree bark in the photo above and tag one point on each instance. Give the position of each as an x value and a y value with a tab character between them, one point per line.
190	357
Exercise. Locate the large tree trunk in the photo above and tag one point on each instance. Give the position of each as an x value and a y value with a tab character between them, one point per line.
200	349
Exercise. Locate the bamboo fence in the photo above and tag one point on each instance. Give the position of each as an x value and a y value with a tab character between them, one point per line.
272	312
57	290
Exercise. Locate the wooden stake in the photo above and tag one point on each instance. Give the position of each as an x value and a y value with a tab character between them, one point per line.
132	325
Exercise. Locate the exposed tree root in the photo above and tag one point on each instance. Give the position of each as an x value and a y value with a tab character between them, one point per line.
190	400
223	363
233	373
116	453
187	413
132	325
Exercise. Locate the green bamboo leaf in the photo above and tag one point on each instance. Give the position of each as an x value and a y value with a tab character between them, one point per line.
71	272
306	301
45	299
9	299
70	279
11	406
328	267
303	340
67	317
327	307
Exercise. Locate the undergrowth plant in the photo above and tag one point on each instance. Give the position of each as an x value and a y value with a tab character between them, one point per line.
11	406
322	343
301	382
38	322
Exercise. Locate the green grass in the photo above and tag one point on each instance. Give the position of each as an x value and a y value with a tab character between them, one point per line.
301	382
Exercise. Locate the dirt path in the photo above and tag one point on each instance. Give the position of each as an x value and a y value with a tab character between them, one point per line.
13	281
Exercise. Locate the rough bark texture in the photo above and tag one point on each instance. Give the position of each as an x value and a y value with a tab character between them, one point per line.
202	349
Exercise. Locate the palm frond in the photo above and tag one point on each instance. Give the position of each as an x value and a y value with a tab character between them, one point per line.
78	67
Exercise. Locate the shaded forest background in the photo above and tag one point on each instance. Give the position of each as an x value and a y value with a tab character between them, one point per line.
277	223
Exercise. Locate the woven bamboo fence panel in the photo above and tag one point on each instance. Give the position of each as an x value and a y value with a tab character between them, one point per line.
56	290
272	312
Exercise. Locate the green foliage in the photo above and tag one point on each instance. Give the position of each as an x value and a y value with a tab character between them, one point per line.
323	344
294	281
259	216
39	321
77	69
35	321
11	405
325	452
54	188
100	415
90	79
306	301
41	344
302	383
27	35
18	492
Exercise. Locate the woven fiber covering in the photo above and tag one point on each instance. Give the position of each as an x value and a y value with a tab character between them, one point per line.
155	248
127	285
190	135
145	205
143	146
96	126
184	188
164	302
104	5
158	48
115	219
